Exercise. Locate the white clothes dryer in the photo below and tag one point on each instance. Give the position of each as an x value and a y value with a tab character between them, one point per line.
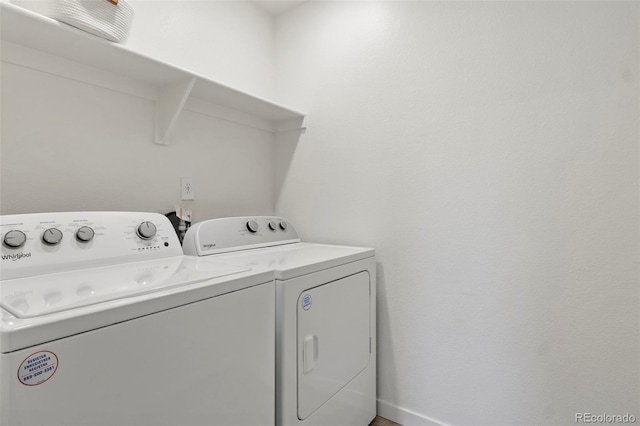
325	316
105	322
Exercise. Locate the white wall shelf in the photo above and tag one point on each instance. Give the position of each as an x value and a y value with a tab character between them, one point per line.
171	86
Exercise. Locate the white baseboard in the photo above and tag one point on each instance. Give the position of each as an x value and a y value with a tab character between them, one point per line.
405	417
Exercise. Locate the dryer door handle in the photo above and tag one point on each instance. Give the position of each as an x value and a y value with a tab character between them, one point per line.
309	353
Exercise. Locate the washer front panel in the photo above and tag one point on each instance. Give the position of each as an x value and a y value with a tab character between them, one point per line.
208	361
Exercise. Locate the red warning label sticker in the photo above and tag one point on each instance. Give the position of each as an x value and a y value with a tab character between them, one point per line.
38	368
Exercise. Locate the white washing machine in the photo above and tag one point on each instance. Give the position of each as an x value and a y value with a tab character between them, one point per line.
325	316
105	322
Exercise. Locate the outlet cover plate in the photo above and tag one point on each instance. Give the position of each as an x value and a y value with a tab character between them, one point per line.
187	191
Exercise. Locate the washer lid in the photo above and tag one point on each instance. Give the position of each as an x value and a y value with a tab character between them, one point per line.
45	294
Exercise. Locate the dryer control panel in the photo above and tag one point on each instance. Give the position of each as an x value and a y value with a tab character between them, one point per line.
42	243
237	233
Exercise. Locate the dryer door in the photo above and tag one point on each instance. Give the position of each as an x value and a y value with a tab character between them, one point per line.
333	339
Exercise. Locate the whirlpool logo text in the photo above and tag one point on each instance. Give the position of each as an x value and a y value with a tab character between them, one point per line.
16	256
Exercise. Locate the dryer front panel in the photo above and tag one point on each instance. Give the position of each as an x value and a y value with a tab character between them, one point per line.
333	339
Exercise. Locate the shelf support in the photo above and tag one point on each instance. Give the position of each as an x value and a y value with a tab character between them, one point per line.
169	106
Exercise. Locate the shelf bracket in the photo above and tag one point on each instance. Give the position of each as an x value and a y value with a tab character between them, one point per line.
169	106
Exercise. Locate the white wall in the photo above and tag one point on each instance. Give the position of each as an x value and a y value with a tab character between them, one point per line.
68	145
489	152
230	42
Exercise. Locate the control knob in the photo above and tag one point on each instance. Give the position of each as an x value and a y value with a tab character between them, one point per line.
146	230
283	225
272	225
52	236
84	234
14	239
252	226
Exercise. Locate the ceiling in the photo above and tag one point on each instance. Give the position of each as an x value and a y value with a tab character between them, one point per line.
278	7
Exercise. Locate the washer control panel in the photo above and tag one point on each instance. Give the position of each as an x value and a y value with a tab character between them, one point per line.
41	243
237	233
